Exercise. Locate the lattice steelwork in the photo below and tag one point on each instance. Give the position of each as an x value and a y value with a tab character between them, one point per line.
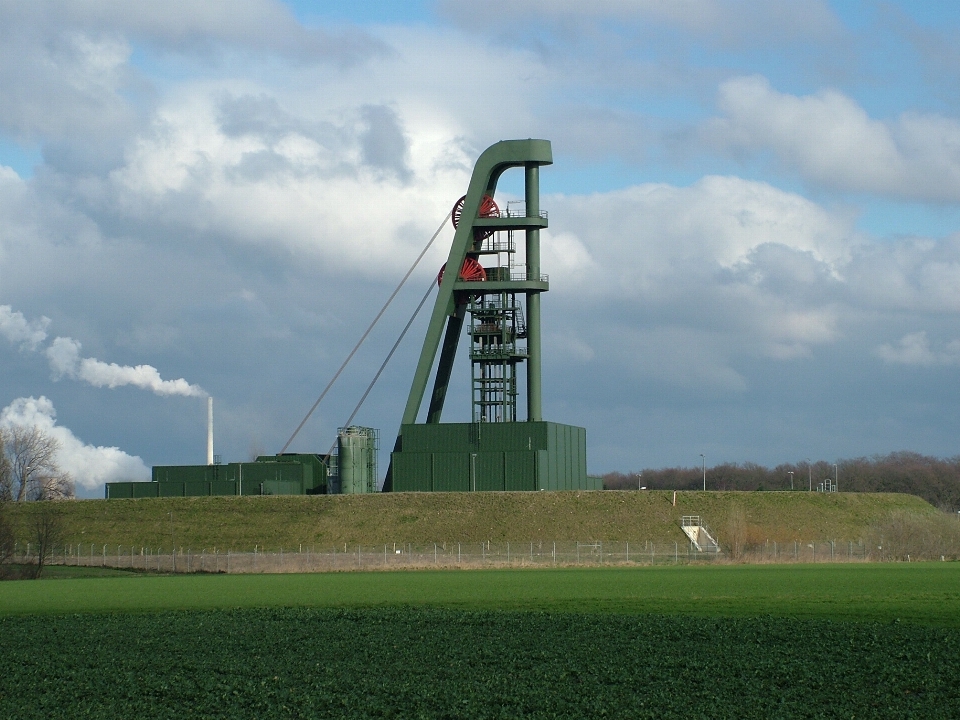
496	325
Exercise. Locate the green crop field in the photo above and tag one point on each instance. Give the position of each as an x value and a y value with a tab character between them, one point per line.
862	640
738	641
427	663
717	641
925	593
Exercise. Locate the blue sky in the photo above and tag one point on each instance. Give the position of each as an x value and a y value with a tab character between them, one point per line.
754	216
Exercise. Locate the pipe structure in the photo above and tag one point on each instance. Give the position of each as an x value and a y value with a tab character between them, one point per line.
534	376
210	430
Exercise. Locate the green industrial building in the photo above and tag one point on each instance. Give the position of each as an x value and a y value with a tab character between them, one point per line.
291	474
496	297
352	469
492	456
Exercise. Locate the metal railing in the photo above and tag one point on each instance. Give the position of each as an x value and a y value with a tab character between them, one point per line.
316	558
514	277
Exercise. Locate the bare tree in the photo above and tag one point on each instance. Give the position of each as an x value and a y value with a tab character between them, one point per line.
737	531
6	470
6	539
47	531
32	472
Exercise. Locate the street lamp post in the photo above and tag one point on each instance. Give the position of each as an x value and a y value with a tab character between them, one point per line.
704	472
810	475
790	473
639	480
836	477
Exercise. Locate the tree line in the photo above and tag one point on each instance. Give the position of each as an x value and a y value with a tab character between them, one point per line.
936	480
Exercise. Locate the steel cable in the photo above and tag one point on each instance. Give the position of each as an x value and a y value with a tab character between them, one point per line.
365	334
433	284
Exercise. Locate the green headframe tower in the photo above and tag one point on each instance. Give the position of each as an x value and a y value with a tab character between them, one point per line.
501	449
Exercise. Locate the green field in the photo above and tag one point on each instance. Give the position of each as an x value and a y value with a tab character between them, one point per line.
760	641
426	663
923	593
717	641
240	523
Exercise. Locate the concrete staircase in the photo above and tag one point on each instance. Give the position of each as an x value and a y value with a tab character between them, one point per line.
699	534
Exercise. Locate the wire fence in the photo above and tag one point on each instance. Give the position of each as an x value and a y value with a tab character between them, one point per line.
305	558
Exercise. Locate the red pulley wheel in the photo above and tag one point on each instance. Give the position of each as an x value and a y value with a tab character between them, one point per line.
471	271
488	209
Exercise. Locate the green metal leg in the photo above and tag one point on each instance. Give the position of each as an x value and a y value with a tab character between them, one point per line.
445	367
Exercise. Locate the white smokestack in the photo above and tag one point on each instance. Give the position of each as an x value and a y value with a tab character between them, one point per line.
210	430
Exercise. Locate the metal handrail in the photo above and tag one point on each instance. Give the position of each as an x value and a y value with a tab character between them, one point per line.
514	277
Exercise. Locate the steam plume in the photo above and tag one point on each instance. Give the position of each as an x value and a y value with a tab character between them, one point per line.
65	361
17	329
89	465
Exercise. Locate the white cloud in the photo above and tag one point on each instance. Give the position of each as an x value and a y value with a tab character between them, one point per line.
920	276
90	466
311	187
681	284
831	140
223	188
645	238
757	21
915	349
17	329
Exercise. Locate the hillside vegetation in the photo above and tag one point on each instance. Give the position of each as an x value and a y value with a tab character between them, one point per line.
240	523
936	480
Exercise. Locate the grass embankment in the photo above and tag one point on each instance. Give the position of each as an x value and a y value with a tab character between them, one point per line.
273	522
924	593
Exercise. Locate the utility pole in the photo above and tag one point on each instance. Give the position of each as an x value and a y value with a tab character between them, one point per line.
704	472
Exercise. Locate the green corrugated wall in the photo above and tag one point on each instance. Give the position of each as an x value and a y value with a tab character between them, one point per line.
293	474
461	457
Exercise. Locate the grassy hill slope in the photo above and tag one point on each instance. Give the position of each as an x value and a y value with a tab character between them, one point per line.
324	521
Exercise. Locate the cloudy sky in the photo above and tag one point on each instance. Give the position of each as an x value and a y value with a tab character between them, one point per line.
754	243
